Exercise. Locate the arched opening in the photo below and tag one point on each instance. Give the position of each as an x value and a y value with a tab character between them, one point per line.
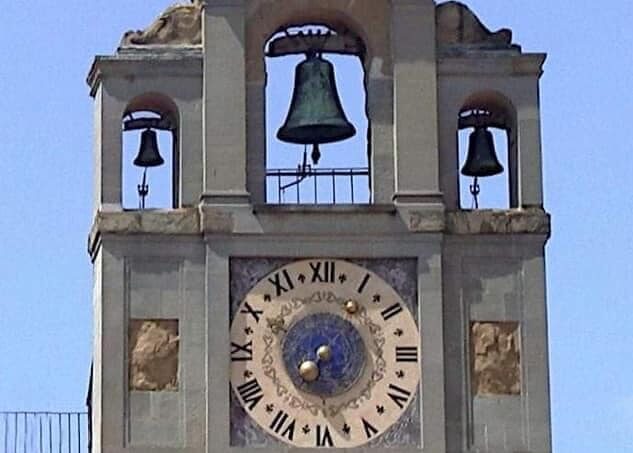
150	158
337	172
487	153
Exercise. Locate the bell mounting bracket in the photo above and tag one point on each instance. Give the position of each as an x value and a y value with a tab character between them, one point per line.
134	124
482	118
319	42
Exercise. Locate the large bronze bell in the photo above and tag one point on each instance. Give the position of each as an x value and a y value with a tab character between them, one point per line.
148	155
482	159
316	115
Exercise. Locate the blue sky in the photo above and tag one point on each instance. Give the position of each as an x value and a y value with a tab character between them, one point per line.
46	172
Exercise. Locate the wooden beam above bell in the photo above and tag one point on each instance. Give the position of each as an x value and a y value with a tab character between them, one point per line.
303	43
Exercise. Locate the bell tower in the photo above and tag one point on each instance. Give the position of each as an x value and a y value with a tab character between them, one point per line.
228	319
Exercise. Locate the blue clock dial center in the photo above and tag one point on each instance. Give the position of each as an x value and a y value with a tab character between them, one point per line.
330	342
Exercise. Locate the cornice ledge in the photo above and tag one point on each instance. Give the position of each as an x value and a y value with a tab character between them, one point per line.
515	221
180	221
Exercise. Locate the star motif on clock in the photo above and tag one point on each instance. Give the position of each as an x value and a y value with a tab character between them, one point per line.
310	341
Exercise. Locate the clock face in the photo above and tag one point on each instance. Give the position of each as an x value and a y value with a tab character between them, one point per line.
324	353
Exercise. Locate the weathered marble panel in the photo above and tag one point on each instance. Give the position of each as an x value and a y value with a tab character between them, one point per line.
153	355
496	358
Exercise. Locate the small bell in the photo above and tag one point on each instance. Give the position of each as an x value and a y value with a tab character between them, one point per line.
148	154
481	160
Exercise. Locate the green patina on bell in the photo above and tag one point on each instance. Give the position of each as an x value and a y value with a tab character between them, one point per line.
316	115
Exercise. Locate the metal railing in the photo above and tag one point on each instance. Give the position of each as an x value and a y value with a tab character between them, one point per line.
44	432
318	186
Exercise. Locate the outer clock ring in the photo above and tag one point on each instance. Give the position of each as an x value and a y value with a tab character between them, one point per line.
376	400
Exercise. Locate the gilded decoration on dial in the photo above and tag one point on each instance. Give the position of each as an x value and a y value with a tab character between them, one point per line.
321	356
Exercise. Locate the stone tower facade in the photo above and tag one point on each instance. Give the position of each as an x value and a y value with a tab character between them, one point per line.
168	283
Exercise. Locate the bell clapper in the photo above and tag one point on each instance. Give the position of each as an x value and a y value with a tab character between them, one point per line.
316	154
143	190
475	190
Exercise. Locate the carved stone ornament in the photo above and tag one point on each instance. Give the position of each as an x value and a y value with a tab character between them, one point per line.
496	358
179	25
153	355
458	25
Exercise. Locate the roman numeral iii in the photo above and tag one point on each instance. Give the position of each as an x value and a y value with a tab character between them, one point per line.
406	354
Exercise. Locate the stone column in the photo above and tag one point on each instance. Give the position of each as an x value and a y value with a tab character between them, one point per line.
380	112
107	151
415	102
190	150
224	103
530	166
256	140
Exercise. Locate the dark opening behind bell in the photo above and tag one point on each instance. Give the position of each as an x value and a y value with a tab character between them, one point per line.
316	115
481	160
148	154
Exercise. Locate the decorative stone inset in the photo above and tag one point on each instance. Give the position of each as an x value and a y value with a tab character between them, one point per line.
496	368
153	354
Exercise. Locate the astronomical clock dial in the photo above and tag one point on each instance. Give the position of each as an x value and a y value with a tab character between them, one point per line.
324	353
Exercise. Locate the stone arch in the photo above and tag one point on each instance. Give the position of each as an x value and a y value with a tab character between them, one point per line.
497	103
154	102
371	25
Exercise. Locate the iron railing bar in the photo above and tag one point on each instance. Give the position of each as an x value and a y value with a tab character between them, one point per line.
316	198
333	187
24	438
78	433
351	184
41	438
68	428
50	433
59	432
6	432
15	438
